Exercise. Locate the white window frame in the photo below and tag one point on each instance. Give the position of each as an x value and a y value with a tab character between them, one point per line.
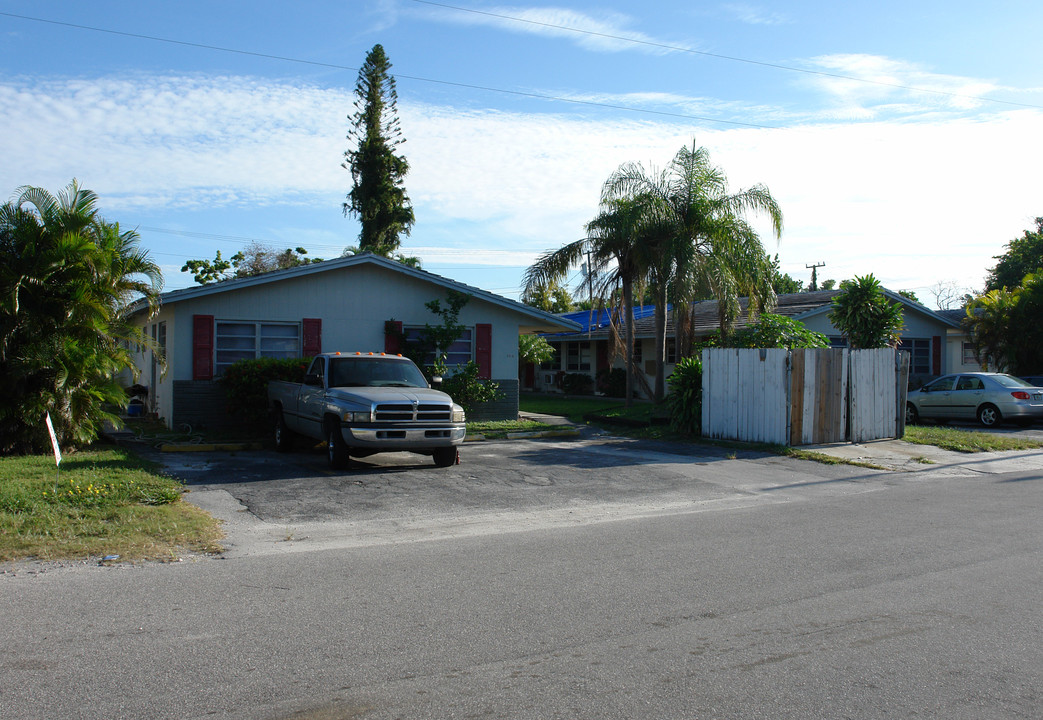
227	353
459	353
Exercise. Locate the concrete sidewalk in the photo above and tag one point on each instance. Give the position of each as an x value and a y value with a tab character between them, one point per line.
908	457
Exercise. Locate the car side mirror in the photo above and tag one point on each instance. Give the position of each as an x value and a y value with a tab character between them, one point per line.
436	381
924	389
313	379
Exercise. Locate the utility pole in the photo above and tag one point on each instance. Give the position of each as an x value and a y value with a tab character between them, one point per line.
814	275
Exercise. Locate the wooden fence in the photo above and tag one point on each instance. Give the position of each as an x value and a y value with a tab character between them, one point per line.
803	397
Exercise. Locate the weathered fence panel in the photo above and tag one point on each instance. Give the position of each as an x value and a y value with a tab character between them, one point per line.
817	382
802	397
745	395
872	393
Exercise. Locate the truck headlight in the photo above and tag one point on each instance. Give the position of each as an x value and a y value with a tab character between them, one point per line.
458	414
358	417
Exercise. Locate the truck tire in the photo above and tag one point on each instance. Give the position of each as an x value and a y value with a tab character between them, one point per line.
282	435
445	456
336	449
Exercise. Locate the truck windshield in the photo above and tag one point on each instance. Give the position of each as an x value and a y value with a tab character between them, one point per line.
374	372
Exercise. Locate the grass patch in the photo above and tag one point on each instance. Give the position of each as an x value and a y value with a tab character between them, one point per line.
573	408
967	441
106	502
498	429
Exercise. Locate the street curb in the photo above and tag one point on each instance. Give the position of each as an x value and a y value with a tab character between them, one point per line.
527	435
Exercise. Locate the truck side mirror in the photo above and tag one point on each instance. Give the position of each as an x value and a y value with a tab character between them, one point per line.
313	379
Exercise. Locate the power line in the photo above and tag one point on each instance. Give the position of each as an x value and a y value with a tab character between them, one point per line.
731	58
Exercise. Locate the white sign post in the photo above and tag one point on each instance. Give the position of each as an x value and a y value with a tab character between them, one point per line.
57	450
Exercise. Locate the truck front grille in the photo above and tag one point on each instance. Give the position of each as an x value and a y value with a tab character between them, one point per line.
390	412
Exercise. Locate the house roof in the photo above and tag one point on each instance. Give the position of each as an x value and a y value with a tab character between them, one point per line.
594	320
539	317
798	306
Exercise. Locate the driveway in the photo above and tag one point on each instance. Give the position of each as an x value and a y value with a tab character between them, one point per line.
274	503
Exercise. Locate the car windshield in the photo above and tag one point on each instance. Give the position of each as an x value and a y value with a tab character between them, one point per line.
1011	381
375	372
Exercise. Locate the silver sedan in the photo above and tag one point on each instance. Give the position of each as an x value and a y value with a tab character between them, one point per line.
990	398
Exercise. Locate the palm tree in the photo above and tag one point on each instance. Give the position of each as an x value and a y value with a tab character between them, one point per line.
67	279
614	266
699	239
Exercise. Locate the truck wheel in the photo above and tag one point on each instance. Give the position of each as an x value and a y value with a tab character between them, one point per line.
283	435
445	456
336	449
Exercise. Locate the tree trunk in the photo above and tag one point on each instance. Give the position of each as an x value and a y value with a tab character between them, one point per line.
628	349
660	345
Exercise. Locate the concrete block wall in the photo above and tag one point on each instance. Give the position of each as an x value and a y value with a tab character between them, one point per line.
506	408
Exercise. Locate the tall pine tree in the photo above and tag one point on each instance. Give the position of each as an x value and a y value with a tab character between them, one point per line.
378	197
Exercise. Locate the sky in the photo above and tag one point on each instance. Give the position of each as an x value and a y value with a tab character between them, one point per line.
899	138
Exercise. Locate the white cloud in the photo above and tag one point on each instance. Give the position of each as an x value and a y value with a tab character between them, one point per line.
913	202
755	15
874	86
608	32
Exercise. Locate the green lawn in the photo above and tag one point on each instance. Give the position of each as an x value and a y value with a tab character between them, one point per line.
968	441
103	502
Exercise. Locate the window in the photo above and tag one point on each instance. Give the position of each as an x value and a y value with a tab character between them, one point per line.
577	357
460	352
968	354
236	341
919	350
671	350
638	344
837	341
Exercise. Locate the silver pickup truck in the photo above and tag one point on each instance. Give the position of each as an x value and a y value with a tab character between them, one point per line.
366	403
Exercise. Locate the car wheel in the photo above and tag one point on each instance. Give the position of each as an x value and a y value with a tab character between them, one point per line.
336	449
445	456
989	415
282	434
911	416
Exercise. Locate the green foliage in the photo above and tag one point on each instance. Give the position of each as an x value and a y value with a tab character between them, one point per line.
577	384
550	297
1024	256
434	339
534	349
1005	329
246	382
864	315
378	196
256	259
910	295
777	331
611	382
66	281
781	282
685	400
468	390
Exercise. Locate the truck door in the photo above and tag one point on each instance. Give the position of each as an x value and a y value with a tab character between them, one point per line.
310	401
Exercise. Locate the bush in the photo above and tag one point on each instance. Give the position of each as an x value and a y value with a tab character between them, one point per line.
246	382
612	383
577	384
686	395
467	389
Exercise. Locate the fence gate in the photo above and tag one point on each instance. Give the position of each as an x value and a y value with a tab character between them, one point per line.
803	397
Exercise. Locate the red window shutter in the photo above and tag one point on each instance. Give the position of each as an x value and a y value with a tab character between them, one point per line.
392	344
202	347
311	329
936	353
483	349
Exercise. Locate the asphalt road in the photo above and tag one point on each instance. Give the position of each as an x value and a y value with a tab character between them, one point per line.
584	579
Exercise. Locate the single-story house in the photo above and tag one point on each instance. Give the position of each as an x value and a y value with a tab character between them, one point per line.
925	336
343	304
960	347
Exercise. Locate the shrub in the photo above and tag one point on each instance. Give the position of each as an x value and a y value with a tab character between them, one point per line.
246	382
612	382
468	390
686	395
577	384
